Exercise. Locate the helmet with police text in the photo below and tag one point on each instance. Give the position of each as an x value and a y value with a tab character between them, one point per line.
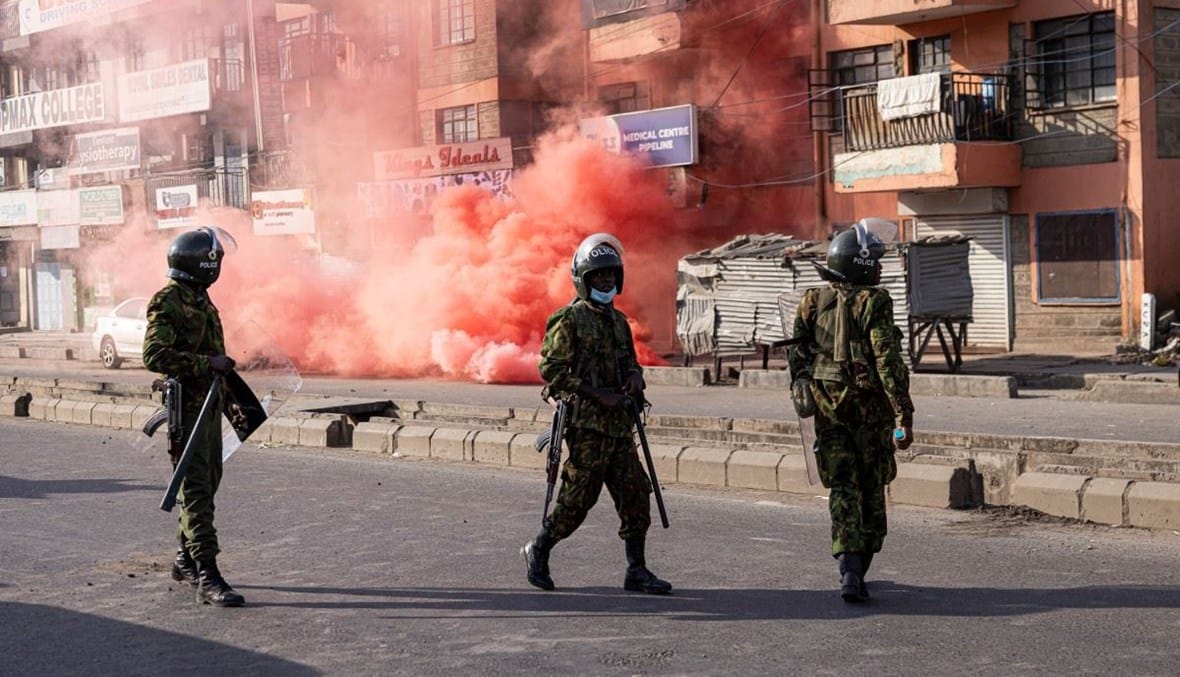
597	252
196	256
855	254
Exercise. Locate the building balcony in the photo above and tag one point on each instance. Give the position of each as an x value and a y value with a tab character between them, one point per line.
902	12
963	142
303	57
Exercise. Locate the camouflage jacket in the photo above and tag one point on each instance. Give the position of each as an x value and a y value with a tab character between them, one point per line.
869	381
587	346
183	332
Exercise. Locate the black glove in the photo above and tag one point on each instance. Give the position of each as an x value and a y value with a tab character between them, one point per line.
221	364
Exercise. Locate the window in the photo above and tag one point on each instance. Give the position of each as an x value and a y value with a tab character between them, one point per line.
930	55
1075	63
391	28
193	45
457	125
624	97
89	69
455	20
133	54
1077	257
857	67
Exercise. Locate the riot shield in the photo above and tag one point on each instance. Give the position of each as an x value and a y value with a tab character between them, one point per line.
788	301
267	379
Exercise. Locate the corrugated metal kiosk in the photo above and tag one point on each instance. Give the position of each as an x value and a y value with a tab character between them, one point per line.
731	300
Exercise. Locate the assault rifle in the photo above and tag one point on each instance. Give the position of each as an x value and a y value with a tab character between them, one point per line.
180	469
552	439
171	413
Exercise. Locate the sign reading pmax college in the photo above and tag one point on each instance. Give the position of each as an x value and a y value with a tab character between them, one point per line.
667	137
44	15
76	105
171	90
459	158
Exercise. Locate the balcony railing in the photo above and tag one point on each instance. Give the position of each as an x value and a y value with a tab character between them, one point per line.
222	187
313	55
972	107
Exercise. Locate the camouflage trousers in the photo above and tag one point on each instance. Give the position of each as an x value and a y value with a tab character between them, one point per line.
195	530
855	463
596	460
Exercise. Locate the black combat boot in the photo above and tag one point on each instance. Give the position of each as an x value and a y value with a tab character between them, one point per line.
536	558
184	569
851	577
212	588
866	560
638	578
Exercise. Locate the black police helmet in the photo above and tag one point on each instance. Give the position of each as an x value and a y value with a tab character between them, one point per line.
196	256
855	255
597	252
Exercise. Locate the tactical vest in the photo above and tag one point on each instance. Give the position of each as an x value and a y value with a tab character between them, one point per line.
845	354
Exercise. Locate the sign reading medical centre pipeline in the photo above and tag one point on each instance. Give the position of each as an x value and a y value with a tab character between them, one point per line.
457	158
44	15
667	137
283	212
171	90
106	151
54	108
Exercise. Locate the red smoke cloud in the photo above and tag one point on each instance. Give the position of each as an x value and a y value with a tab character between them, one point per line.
468	300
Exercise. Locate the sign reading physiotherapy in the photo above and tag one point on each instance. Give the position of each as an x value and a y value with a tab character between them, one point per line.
160	92
44	15
459	158
176	207
667	137
283	212
54	108
106	151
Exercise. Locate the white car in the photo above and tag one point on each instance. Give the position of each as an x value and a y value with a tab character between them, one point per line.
118	334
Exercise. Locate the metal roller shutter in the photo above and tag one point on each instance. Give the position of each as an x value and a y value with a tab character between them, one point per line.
988	260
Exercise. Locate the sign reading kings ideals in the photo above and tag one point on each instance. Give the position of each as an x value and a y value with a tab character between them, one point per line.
456	158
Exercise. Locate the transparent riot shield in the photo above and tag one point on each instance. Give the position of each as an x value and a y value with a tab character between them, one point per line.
268	372
265	378
788	301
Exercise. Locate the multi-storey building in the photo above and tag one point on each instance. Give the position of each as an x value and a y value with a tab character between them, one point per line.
1046	130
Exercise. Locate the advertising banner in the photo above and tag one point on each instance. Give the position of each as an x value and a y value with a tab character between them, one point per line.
54	108
44	15
18	208
176	207
100	205
106	151
458	158
667	137
57	208
381	199
171	90
283	212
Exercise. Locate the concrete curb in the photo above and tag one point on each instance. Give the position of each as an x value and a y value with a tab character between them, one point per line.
928	480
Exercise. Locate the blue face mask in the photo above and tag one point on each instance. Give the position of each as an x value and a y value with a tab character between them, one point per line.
603	297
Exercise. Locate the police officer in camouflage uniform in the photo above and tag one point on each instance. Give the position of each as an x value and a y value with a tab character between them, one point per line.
588	360
184	341
848	362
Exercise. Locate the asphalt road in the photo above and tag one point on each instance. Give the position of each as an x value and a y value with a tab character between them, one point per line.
357	564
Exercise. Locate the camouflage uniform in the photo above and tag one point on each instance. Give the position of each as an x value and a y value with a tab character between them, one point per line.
593	347
861	389
183	332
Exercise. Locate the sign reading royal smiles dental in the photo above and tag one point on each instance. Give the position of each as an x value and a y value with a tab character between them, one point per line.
44	15
667	137
171	90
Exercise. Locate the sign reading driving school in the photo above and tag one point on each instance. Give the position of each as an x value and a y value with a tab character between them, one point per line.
44	15
667	137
